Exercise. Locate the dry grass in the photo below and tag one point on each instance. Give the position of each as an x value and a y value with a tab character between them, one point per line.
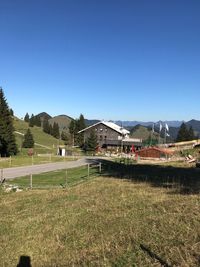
103	222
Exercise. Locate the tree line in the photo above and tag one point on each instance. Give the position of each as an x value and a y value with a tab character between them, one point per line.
72	138
8	144
185	133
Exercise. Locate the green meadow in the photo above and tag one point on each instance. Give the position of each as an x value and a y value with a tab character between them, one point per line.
102	221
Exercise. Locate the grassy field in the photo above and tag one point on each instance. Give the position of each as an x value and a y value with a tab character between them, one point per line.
60	178
102	222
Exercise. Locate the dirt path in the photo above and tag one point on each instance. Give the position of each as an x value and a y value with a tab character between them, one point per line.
10	173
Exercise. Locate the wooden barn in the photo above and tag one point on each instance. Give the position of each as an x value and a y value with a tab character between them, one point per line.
154	152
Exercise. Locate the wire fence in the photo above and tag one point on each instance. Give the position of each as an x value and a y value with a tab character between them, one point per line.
58	179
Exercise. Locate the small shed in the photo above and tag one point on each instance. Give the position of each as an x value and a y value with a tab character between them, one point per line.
154	152
61	151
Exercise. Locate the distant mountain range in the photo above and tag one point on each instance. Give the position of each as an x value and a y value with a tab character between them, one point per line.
149	123
142	129
133	126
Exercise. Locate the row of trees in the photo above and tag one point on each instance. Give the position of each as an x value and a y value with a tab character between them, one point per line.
32	120
185	133
8	146
7	138
75	126
51	129
44	123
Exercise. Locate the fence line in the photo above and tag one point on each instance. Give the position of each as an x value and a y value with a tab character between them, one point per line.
71	177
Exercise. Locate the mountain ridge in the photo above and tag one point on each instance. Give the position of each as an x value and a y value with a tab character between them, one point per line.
174	125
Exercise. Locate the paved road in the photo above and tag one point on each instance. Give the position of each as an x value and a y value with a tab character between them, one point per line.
10	173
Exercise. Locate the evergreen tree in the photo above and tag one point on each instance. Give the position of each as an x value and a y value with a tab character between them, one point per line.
76	130
7	139
79	125
65	137
46	126
50	129
28	140
72	130
191	135
81	122
183	133
91	143
56	131
27	118
32	121
11	112
37	121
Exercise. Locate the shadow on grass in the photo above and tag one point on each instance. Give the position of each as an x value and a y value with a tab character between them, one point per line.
182	180
154	256
24	261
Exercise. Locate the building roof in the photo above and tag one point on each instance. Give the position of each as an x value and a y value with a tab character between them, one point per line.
109	124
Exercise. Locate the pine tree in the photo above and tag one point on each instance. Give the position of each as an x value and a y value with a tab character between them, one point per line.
183	133
56	131
72	131
81	122
64	137
191	135
91	143
50	129
32	121
7	139
46	126
27	118
28	140
79	125
11	112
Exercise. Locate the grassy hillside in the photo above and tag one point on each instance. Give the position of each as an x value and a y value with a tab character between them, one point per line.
47	141
140	131
103	222
63	122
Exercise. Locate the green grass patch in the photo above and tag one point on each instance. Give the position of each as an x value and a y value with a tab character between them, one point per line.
61	178
104	222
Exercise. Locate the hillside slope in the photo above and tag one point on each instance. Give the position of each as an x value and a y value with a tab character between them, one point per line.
140	131
63	122
39	136
195	125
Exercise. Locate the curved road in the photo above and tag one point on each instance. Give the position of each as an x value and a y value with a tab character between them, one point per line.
11	173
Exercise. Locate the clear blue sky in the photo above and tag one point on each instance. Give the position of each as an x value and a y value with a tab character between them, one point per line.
106	59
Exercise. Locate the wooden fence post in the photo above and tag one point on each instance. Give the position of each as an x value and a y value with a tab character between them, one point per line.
31	181
66	178
1	175
99	167
88	170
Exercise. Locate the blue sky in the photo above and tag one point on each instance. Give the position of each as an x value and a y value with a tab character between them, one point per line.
106	59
